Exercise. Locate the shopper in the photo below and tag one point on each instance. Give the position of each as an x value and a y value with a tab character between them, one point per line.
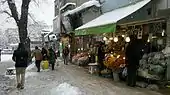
52	57
65	55
38	57
133	55
45	54
101	56
20	56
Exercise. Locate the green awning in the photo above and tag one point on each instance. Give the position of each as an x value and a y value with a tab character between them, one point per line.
96	30
106	23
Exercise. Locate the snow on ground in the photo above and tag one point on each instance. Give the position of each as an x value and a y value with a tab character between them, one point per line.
6	57
66	89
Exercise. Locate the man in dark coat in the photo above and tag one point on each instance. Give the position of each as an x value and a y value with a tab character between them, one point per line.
101	56
20	56
134	53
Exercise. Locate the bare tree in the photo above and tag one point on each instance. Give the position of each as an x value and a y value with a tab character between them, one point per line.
21	21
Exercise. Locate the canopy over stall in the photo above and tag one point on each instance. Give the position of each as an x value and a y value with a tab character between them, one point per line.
107	22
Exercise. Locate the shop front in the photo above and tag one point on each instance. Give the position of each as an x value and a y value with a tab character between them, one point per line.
116	37
105	28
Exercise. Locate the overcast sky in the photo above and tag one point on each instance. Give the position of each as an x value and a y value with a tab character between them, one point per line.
44	11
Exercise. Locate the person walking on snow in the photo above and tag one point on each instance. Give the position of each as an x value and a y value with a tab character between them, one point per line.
45	54
52	57
38	57
65	55
20	57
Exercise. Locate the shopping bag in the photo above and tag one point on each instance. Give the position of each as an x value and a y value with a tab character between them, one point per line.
45	65
124	73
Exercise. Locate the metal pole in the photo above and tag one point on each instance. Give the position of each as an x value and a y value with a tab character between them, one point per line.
59	16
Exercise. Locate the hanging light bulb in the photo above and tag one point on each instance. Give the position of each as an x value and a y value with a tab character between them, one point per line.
111	38
127	39
123	36
104	38
148	40
60	44
115	39
69	46
81	48
163	33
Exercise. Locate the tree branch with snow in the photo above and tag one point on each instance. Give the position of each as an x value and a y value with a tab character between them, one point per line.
14	12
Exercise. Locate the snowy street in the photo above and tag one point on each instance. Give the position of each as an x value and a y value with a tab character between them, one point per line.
74	80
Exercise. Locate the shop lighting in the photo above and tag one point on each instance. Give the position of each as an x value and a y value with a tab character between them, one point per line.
153	37
111	55
115	39
69	46
148	40
81	48
123	36
78	49
127	39
111	38
60	43
163	33
118	56
124	58
104	38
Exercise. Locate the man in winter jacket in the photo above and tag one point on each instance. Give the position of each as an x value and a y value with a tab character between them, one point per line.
134	53
20	56
38	57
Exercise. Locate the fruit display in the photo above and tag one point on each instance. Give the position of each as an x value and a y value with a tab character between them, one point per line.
114	61
80	58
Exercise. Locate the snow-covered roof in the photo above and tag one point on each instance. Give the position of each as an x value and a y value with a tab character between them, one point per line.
56	17
69	3
83	6
115	15
47	30
48	34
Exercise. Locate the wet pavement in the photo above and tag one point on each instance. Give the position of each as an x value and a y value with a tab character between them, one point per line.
76	79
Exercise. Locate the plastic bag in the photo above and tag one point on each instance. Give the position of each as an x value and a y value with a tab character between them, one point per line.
124	73
45	65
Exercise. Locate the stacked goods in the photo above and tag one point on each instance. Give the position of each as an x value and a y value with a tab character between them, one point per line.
153	66
76	57
80	58
114	61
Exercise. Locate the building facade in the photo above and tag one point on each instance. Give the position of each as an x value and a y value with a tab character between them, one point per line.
72	21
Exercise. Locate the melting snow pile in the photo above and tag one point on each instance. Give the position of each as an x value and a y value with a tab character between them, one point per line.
5	58
65	89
